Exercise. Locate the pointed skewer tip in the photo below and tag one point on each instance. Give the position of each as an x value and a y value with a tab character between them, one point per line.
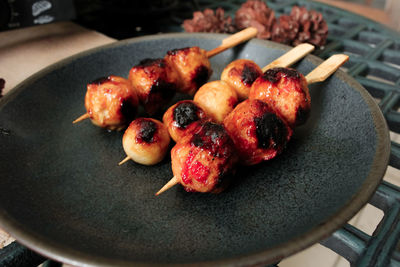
81	118
124	160
168	185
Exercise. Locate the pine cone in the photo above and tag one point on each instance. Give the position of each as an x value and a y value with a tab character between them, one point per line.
208	21
312	26
285	30
256	13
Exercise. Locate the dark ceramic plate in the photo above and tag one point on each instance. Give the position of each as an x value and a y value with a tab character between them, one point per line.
63	194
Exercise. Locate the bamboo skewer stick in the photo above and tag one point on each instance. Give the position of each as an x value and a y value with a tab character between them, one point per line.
326	68
233	40
319	74
227	43
124	160
82	117
171	183
290	57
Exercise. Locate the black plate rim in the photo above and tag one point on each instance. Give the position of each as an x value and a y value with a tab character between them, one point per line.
58	252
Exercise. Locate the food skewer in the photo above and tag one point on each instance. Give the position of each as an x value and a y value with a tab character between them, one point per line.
291	57
326	68
114	111
319	74
82	117
167	81
287	90
233	40
145	141
203	161
171	183
240	74
219	98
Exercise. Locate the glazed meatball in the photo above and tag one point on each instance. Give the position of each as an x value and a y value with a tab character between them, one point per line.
155	83
240	75
192	65
205	161
217	98
111	102
146	141
181	118
258	132
286	90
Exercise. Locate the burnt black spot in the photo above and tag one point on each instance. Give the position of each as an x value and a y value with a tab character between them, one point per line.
147	129
101	80
165	89
213	130
128	109
161	92
271	131
147	62
197	140
173	52
275	74
212	137
200	75
249	74
302	115
185	113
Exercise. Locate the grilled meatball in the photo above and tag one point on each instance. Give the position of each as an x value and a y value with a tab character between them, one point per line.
204	161
155	83
217	98
193	67
146	141
111	102
181	117
257	131
240	75
287	91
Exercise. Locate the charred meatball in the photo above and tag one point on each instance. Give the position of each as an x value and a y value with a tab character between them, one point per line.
240	75
258	132
155	83
217	98
205	161
146	141
286	90
192	65
111	102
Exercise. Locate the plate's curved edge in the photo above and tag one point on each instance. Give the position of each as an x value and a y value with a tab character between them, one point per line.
378	168
358	200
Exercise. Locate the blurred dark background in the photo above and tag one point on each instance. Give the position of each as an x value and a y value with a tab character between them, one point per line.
118	18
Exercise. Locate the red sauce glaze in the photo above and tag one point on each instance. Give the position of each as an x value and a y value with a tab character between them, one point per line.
287	91
210	158
213	138
232	101
185	171
257	131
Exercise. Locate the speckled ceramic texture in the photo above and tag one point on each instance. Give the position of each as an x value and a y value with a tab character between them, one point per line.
63	194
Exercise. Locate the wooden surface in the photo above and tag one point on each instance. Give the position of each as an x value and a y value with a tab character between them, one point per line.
25	51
